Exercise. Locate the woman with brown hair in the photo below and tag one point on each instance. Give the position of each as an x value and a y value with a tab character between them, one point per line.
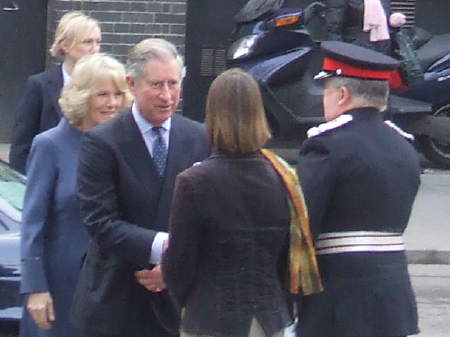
227	260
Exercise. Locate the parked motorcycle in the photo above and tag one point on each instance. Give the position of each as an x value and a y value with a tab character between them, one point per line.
280	48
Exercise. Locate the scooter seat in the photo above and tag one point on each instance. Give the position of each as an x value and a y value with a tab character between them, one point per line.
437	47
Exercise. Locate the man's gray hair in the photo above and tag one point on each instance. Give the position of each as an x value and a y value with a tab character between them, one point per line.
369	92
150	49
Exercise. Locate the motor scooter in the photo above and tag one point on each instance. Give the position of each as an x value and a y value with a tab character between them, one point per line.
280	48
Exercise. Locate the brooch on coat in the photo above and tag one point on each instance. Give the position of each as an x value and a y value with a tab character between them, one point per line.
402	133
331	125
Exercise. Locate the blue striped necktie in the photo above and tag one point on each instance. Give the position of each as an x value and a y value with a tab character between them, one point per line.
159	150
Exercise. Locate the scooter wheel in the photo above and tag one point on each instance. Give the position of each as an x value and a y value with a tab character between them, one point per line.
436	151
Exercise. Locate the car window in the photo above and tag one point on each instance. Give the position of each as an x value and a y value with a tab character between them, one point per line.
13	192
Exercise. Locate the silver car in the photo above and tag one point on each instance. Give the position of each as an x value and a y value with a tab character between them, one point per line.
12	191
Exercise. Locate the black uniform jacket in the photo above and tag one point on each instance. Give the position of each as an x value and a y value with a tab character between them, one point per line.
228	243
360	176
38	111
124	202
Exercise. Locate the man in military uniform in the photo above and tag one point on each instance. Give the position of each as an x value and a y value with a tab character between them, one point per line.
360	177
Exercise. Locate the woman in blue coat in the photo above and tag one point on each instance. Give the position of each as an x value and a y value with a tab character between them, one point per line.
54	239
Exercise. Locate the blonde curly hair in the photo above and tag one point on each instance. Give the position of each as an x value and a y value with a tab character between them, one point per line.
87	73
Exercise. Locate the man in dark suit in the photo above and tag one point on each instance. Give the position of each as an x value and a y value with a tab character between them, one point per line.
126	177
360	177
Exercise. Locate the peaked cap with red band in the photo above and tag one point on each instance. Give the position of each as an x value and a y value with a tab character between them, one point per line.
349	60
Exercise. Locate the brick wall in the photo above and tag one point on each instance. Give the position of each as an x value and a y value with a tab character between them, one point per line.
126	22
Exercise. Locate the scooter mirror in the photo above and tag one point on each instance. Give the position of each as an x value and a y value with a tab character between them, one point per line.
315	9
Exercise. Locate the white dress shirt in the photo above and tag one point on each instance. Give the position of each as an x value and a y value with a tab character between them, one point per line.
66	75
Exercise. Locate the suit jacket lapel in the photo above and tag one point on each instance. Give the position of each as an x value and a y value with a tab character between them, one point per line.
178	158
136	153
55	84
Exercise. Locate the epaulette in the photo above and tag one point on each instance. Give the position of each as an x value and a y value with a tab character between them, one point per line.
402	133
335	123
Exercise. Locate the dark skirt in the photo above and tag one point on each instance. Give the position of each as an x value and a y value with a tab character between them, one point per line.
366	295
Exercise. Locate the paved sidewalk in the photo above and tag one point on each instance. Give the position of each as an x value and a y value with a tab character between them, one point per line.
428	232
430	283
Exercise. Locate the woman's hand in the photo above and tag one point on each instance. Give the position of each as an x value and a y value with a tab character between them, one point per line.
40	306
151	279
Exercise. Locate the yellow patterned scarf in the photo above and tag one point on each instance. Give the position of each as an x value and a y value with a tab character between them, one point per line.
304	272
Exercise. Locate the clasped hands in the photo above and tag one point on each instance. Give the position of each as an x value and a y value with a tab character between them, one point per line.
152	279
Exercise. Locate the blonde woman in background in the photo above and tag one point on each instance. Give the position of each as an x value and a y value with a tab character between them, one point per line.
54	238
77	35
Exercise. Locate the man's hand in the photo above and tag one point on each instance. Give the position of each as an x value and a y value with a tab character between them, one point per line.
151	279
165	245
40	306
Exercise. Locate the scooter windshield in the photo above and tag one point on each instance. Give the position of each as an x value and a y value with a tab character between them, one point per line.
255	9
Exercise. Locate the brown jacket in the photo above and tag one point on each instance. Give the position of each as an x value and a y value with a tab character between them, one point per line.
229	233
